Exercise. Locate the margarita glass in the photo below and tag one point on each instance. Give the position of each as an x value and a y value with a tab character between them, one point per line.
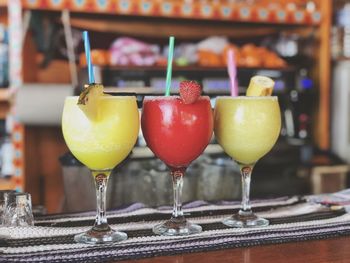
177	133
101	144
247	128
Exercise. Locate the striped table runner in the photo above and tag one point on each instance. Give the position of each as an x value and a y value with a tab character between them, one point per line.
51	239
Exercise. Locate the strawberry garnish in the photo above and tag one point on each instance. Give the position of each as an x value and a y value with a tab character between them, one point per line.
190	91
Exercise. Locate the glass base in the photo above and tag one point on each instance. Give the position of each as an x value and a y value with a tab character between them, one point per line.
97	237
245	220
177	228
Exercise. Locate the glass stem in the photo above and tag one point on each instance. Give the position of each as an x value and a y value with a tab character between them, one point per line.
101	180
177	176
246	171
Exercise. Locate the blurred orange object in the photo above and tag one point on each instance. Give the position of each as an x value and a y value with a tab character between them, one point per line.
252	61
253	56
248	49
208	58
272	60
162	61
99	57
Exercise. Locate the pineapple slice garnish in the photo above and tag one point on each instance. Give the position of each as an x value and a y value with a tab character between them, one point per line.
88	100
260	86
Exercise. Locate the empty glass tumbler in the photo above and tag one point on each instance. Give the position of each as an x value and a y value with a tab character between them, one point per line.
2	203
18	210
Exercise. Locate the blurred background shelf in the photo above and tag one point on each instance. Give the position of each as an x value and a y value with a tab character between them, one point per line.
5	100
151	79
3	3
6	184
144	91
152	21
4	94
279	12
200	69
181	28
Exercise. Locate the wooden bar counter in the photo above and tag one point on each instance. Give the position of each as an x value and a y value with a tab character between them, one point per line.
335	250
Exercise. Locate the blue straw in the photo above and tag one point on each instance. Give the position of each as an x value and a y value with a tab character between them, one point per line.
88	57
170	65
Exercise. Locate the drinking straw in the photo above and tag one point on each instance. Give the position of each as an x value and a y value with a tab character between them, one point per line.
88	57
232	72
170	65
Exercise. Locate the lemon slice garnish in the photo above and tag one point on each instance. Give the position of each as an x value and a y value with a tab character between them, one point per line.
260	86
89	100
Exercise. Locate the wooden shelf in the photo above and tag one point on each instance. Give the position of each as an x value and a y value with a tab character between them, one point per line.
4	94
182	29
189	68
154	91
340	59
277	13
6	184
3	3
137	90
159	71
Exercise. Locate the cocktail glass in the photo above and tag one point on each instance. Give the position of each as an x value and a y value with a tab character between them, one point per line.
247	128
101	145
177	133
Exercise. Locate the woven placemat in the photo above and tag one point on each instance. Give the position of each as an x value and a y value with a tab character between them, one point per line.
51	239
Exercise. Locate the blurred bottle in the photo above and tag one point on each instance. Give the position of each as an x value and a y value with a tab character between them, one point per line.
3	140
7	149
340	39
305	89
4	63
7	153
300	107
